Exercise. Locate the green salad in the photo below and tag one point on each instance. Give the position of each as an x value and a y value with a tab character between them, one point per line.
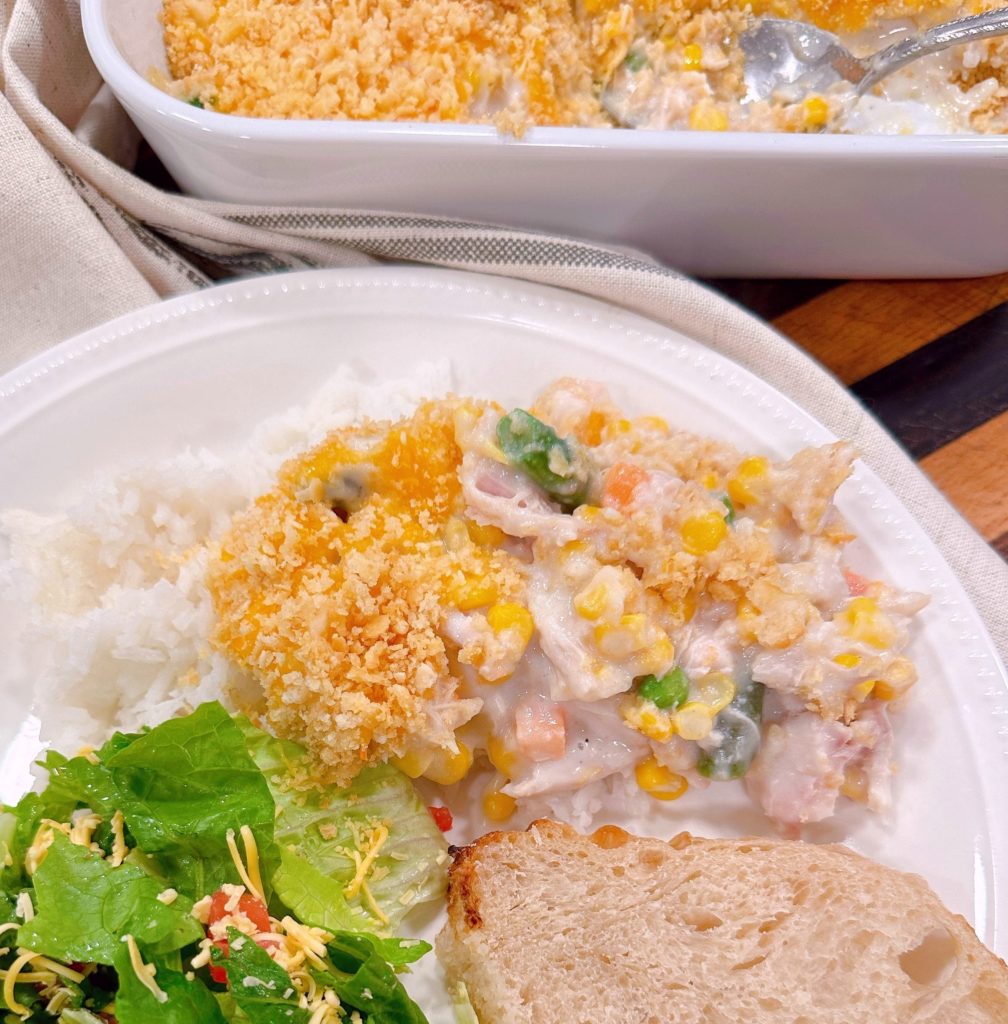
184	874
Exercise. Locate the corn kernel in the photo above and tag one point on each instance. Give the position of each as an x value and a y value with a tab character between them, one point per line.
704	118
502	757
901	673
743	486
487	536
702	534
848	660
694	721
498	806
456	537
692	57
658	781
816	111
573	547
620	426
658	657
447	768
589	512
883	691
652	722
855	784
475	593
413	764
655	727
621	641
863	690
716	690
591	602
656	423
863	621
509	615
746	613
497	680
590	430
710	481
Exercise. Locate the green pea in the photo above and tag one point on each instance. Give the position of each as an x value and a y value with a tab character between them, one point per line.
667	691
635	61
558	465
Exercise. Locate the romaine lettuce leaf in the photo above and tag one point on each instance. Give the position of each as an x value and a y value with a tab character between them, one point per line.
465	1012
180	787
368	983
260	987
83	907
317	900
413	856
188	1002
78	1015
21	822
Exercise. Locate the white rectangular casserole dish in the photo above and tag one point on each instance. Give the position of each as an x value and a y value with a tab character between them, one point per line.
708	203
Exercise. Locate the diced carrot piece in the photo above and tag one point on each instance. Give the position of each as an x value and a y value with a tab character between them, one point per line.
540	729
621	483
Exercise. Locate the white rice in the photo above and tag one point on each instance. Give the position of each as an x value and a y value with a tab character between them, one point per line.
117	613
112	590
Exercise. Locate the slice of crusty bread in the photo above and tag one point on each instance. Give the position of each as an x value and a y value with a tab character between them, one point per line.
548	926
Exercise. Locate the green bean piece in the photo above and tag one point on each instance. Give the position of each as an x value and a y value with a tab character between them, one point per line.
739	728
635	61
667	691
730	505
196	102
558	465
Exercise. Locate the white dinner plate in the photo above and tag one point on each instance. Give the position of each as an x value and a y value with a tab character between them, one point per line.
204	369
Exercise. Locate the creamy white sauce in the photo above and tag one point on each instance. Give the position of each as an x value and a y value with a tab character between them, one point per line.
921	99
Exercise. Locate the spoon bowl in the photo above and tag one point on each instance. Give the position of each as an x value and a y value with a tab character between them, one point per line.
798	59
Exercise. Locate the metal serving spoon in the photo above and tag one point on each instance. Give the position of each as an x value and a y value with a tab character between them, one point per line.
801	58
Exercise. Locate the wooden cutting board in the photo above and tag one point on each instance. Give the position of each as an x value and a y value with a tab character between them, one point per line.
929	358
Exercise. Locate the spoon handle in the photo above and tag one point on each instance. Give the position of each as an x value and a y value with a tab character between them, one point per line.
962	30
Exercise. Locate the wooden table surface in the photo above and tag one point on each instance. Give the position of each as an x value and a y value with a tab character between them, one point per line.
929	358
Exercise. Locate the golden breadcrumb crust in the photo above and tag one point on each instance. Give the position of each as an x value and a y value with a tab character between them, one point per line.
514	63
338	620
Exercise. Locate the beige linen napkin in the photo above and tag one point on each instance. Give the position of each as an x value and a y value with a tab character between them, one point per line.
83	240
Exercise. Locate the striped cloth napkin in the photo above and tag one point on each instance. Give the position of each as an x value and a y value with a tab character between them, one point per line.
84	240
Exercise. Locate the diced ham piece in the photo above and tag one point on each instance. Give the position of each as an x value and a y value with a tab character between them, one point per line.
856	583
802	765
502	496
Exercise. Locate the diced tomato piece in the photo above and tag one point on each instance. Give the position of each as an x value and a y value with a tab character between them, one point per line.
442	817
621	484
249	906
541	729
856	583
